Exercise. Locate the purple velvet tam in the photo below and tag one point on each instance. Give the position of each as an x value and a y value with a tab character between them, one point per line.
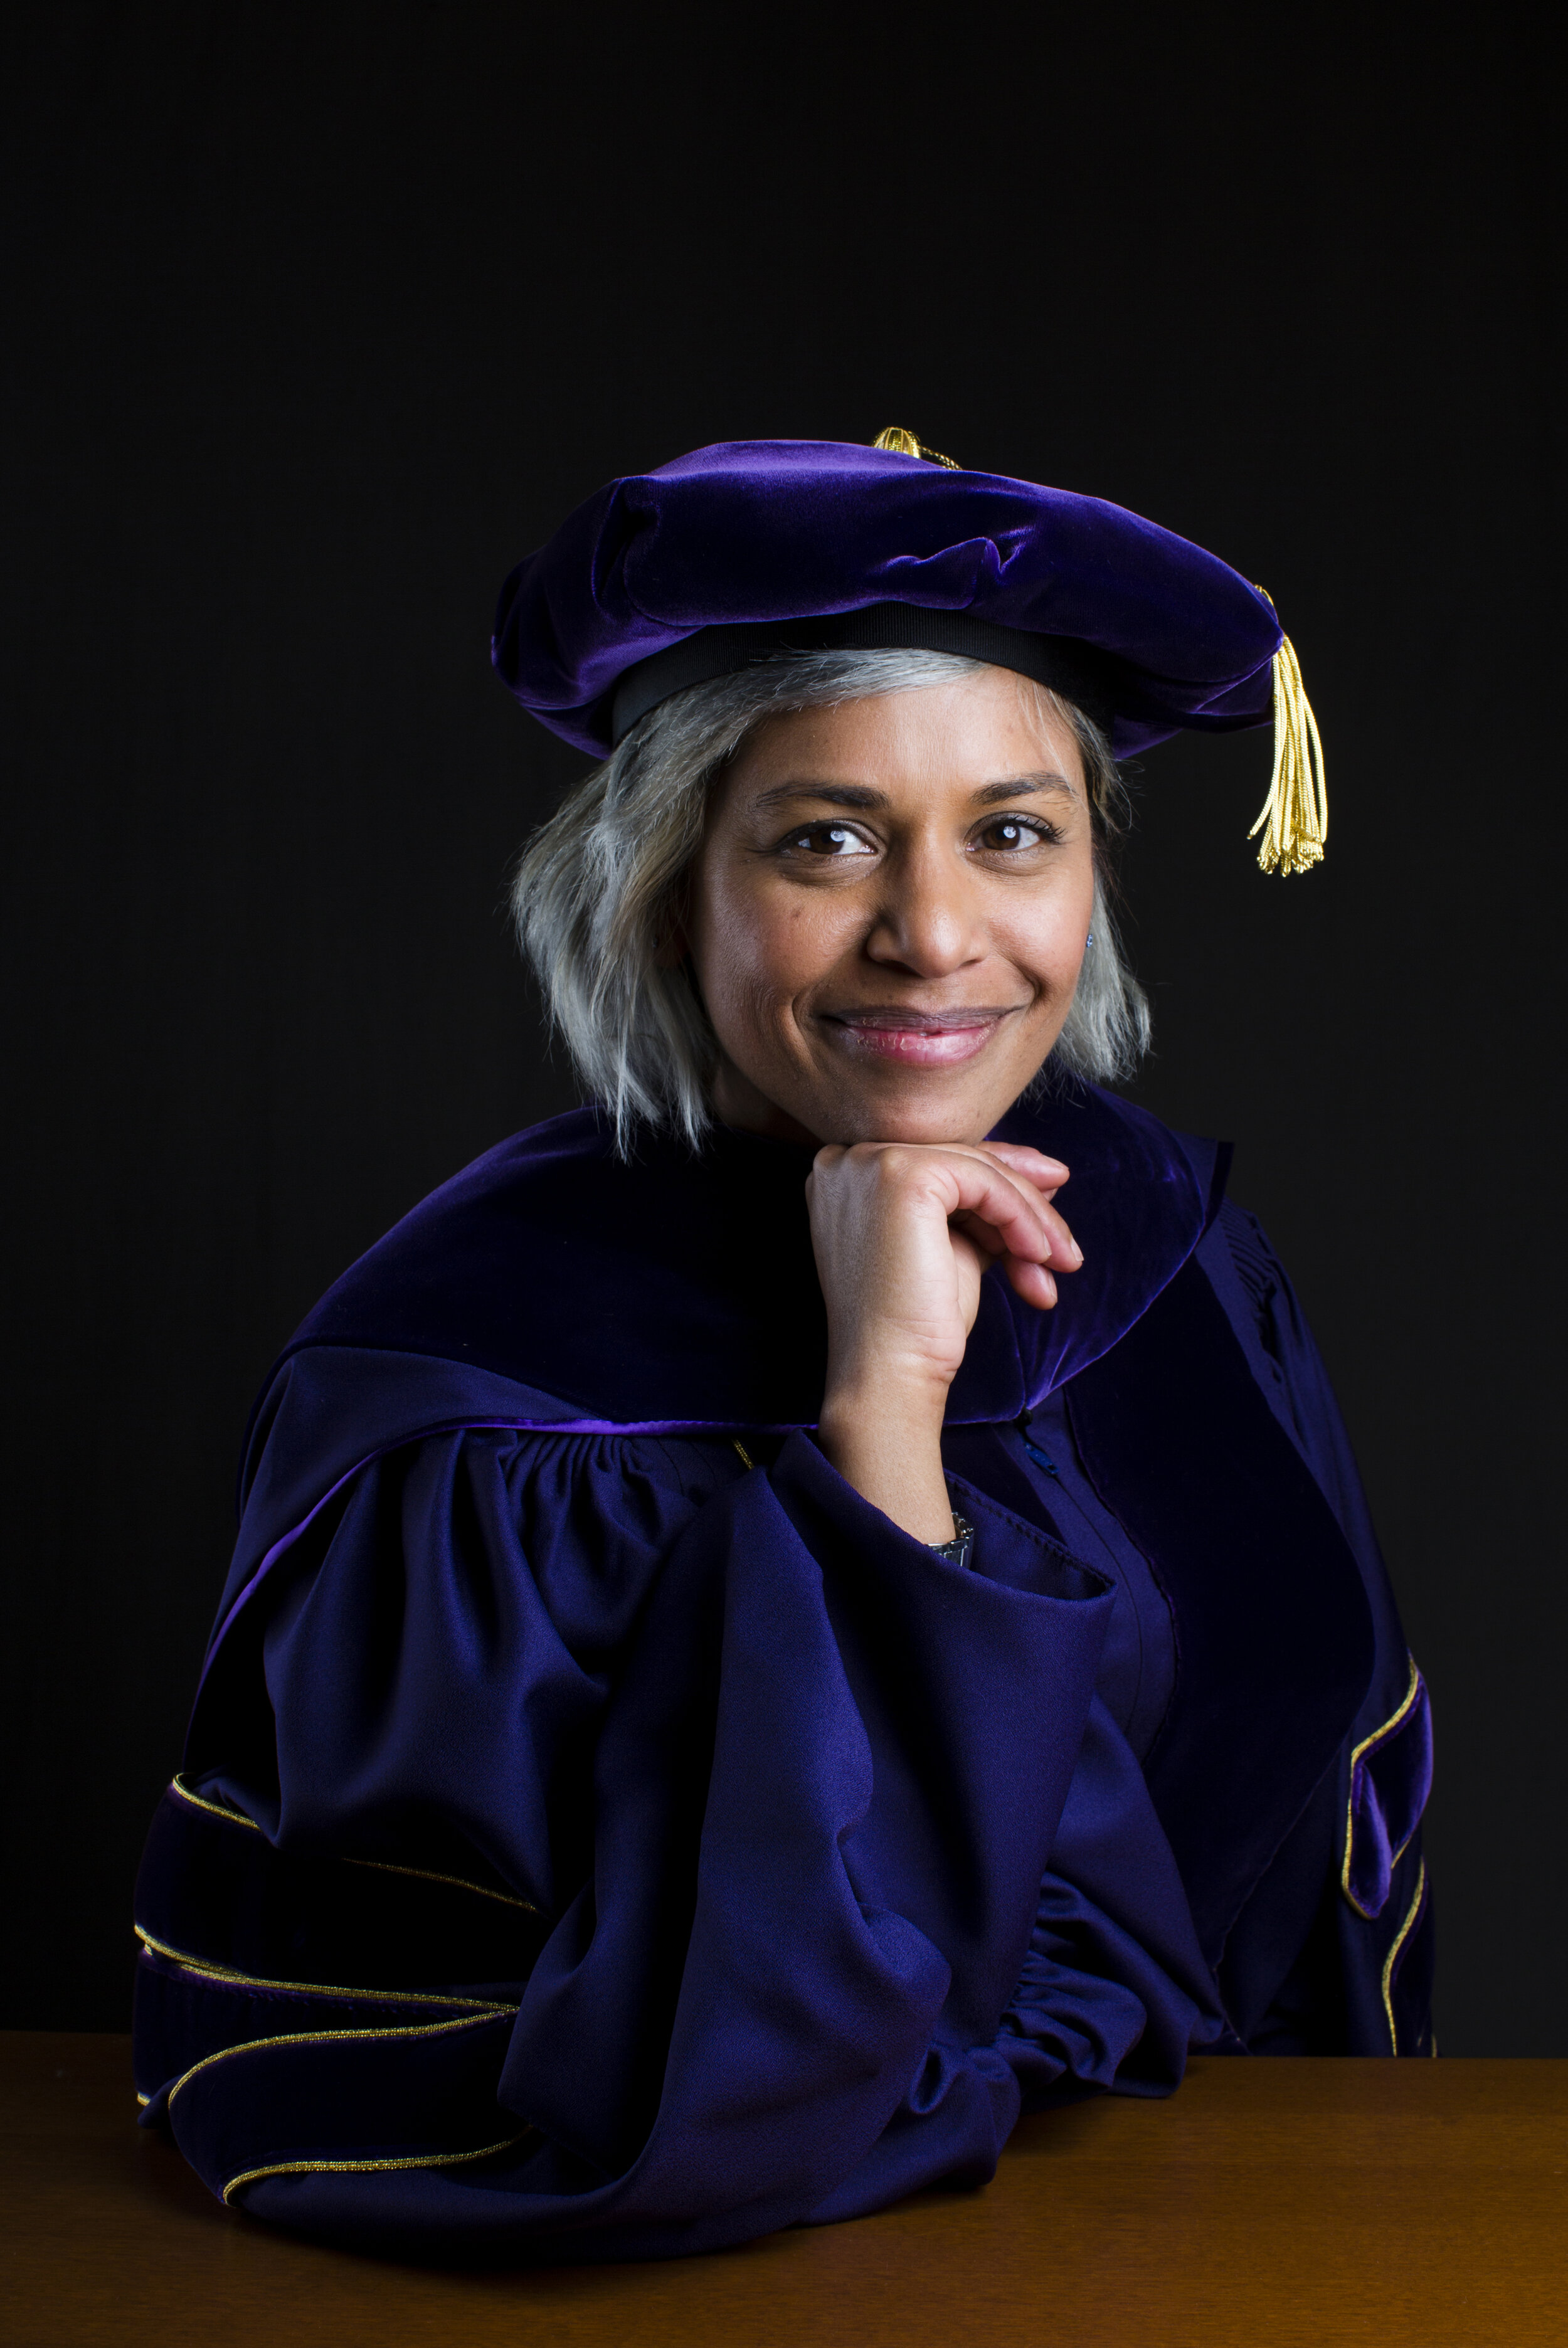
753	547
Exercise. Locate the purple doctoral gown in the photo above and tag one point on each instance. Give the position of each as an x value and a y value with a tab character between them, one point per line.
602	1834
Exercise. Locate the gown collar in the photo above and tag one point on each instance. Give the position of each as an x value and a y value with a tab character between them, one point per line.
678	1289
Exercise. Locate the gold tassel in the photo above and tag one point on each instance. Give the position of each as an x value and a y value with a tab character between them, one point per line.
1294	819
905	444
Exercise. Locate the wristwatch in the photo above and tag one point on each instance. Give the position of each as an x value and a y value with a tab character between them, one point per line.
957	1550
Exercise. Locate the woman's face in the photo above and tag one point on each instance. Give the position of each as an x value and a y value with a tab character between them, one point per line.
888	911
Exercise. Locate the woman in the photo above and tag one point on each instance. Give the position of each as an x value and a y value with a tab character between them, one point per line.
822	1600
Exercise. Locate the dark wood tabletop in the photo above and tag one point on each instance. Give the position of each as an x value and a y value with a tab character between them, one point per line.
1281	2204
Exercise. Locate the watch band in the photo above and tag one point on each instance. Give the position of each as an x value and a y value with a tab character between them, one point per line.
957	1550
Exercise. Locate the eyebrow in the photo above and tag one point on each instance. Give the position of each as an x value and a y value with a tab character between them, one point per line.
864	795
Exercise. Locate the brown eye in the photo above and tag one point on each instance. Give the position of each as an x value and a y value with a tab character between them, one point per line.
1012	832
830	840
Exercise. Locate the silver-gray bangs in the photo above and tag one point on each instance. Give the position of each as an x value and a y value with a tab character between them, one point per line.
597	890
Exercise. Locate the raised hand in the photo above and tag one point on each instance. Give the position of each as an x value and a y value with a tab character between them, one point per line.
903	1233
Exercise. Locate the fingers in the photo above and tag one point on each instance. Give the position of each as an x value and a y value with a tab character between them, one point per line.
997	1199
1027	1272
1003	1192
994	1197
1047	1174
1033	1283
1065	1253
1043	1176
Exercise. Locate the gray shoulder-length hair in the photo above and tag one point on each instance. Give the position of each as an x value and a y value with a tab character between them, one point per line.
598	889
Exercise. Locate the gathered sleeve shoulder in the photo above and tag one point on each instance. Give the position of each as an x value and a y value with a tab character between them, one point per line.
437	1649
840	1861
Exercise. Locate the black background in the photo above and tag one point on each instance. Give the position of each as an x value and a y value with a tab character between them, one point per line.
324	315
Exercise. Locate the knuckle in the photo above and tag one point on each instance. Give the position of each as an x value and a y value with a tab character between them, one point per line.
891	1162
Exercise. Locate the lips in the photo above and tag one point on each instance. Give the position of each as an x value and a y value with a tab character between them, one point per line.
917	1039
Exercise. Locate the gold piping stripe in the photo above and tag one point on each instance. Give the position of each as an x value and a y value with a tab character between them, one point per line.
385	1866
1394	1721
178	1786
745	1459
359	2167
1394	1718
206	1969
143	2100
1404	1847
457	1882
1400	1938
328	2038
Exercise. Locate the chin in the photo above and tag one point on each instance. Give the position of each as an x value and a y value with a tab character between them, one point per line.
912	1115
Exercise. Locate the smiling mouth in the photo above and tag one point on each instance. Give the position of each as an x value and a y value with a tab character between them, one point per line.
917	1039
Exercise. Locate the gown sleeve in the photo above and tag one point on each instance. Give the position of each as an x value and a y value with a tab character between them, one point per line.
844	1862
1361	1980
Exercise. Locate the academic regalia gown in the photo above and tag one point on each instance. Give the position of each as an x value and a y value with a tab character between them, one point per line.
602	1834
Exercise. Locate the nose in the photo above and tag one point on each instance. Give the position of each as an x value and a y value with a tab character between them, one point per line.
928	921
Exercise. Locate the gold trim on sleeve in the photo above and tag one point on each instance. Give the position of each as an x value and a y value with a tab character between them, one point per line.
384	1865
328	2038
1400	1937
360	2168
331	2038
457	1882
178	1788
1396	1720
205	1969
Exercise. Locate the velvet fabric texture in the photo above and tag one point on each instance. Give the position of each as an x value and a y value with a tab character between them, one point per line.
753	533
1390	1778
596	1843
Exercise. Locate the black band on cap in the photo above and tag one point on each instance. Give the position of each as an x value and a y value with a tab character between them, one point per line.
1079	672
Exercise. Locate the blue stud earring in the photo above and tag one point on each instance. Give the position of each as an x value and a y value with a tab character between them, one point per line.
1089	942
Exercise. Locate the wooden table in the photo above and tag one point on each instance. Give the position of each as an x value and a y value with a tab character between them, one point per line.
1287	2204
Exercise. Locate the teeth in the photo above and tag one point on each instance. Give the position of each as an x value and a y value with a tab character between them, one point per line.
923	1026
